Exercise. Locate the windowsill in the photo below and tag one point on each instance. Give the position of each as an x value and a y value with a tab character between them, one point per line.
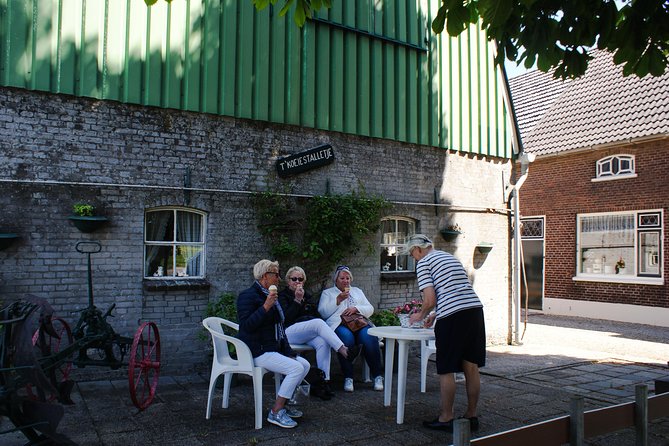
402	276
175	284
609	278
614	177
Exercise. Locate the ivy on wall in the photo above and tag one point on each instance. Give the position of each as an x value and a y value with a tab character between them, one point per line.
320	232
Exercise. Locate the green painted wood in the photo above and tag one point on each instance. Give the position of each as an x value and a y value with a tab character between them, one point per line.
367	67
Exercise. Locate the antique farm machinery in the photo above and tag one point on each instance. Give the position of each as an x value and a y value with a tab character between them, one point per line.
38	351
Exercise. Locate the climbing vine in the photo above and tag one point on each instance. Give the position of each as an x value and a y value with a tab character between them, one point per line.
319	232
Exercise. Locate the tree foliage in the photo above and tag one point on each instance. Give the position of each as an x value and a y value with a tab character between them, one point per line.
556	34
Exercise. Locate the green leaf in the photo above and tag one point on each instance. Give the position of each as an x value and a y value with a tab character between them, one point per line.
439	20
262	4
457	20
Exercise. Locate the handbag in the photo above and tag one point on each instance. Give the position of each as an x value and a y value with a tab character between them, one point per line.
354	322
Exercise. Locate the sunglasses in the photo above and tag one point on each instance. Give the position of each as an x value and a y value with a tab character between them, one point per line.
272	272
297	279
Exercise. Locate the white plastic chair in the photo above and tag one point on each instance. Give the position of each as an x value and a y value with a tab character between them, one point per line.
427	349
224	364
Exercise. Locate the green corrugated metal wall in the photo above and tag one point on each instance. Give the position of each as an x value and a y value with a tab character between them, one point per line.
366	67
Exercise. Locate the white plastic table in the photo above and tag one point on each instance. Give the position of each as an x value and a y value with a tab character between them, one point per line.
403	336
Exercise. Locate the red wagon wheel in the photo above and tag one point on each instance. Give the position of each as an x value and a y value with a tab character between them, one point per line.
144	365
47	345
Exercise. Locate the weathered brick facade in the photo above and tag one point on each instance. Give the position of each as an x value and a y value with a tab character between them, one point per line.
560	187
57	150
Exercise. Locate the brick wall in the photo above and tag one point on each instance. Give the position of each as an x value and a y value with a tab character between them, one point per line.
57	150
560	187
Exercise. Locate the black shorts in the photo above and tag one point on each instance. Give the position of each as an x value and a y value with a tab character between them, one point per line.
460	337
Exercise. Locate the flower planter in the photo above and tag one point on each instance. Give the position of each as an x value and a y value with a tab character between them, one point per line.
404	322
7	239
449	235
88	224
484	247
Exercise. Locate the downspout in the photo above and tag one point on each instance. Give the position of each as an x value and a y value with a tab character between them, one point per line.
513	202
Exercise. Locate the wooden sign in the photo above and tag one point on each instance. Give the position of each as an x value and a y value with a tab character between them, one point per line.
304	161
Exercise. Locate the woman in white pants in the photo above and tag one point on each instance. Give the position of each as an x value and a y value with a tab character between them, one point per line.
305	326
261	328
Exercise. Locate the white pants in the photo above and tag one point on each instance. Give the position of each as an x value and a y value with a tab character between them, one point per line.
320	336
293	370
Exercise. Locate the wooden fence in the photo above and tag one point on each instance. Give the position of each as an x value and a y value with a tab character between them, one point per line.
575	428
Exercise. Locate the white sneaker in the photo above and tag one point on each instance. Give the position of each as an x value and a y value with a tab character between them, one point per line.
281	419
378	383
348	385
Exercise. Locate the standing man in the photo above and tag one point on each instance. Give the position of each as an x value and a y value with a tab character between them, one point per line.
459	329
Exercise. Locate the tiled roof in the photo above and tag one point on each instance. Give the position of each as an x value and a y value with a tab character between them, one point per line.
601	107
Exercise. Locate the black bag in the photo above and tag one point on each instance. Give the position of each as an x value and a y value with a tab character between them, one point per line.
316	380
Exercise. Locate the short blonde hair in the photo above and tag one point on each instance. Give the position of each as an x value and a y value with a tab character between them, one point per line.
292	269
262	267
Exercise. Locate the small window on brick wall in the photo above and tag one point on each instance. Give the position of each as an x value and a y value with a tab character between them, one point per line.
614	167
394	233
174	243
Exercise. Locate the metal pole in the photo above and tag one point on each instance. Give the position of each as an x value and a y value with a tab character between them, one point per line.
576	423
90	282
641	414
461	433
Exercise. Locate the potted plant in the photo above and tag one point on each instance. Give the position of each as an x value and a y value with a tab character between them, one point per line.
620	266
404	311
84	217
451	232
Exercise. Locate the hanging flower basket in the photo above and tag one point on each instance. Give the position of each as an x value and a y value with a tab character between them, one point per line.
88	224
449	234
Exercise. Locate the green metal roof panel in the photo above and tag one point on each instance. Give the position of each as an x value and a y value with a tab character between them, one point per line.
363	67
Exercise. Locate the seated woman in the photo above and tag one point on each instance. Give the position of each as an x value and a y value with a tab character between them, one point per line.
305	326
342	299
261	328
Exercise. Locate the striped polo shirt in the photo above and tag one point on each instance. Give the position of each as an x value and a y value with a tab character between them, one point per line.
447	276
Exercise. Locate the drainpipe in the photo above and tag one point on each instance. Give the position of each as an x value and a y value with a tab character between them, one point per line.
525	160
512	200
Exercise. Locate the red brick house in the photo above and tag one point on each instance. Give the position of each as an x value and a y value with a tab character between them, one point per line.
594	204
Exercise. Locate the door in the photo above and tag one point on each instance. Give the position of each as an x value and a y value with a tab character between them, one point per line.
532	273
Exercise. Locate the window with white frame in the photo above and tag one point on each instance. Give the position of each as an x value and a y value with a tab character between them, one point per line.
621	244
394	231
615	166
174	243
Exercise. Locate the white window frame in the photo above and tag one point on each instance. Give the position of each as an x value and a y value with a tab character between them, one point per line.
598	264
610	168
391	241
177	272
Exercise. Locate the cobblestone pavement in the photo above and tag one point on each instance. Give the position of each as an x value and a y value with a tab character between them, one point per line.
521	384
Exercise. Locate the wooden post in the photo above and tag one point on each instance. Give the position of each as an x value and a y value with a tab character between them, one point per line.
461	432
576	423
641	414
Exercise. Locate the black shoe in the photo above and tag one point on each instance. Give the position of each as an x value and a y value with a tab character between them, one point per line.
320	392
446	426
327	389
353	352
473	423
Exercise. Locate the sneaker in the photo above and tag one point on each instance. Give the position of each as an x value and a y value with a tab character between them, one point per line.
281	419
378	383
293	413
328	389
348	385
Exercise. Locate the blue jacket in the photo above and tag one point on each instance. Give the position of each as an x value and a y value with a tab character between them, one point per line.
257	327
